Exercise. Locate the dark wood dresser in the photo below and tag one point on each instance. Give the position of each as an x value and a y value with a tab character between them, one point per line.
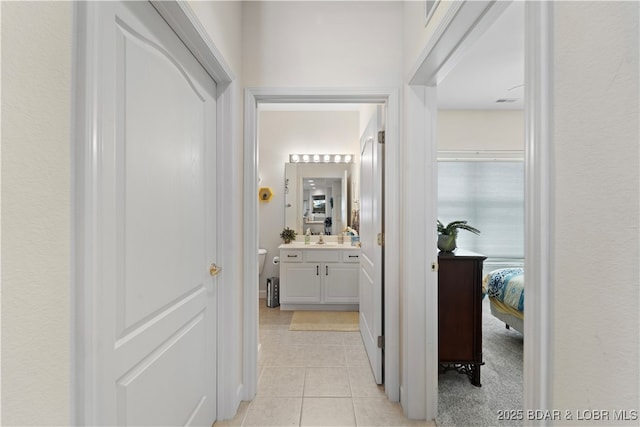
460	312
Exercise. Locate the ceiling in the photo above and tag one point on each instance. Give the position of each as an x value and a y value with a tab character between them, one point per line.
492	69
319	183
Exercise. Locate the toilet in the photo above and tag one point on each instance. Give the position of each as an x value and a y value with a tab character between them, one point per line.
262	255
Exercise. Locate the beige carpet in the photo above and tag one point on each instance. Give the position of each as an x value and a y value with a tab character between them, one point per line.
341	321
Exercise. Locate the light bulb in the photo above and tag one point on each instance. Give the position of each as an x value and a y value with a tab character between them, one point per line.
316	158
347	158
327	158
295	158
305	157
337	158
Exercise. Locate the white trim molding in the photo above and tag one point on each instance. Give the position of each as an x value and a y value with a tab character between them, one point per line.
464	22
186	25
252	98
538	329
85	250
420	297
229	188
250	249
480	156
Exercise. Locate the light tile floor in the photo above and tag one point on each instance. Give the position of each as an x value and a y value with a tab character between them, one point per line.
314	379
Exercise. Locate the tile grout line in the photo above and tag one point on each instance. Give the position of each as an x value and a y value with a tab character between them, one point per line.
353	405
246	412
304	386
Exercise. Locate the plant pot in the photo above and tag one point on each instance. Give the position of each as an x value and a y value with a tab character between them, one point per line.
447	242
287	241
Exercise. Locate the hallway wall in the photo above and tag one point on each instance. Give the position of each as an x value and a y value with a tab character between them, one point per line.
322	44
596	259
36	212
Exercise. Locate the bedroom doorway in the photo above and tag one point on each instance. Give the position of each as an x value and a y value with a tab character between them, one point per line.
480	143
456	33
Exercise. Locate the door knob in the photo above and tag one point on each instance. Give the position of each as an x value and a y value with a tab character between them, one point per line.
214	269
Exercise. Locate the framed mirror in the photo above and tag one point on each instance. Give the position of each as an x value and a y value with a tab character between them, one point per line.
316	197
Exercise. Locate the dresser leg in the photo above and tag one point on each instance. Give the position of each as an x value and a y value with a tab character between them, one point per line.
475	375
471	370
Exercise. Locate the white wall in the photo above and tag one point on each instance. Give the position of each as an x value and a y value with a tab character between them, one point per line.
460	130
36	233
597	262
281	133
323	44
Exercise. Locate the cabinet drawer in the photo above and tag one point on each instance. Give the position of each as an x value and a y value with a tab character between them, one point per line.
315	255
288	255
351	256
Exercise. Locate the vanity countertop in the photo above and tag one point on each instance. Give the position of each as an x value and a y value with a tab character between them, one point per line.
315	245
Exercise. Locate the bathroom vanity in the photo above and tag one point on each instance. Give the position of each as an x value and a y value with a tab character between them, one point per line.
319	276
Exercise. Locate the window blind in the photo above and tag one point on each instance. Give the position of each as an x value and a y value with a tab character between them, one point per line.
490	196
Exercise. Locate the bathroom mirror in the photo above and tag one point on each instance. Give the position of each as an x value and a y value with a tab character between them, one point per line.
316	197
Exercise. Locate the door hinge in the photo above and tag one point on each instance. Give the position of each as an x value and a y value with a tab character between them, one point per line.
381	341
380	239
381	137
434	266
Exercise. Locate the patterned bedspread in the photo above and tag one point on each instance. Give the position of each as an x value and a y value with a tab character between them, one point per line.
507	285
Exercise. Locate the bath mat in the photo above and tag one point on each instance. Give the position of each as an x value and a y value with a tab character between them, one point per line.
340	321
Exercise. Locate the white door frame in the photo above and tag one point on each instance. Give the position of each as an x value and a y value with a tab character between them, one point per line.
254	96
85	151
464	23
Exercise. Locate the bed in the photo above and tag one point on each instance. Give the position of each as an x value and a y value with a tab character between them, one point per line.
505	289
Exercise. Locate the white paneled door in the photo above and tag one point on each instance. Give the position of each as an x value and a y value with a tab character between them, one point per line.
156	297
371	239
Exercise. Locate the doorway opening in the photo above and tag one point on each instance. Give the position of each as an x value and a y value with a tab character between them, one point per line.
463	24
254	99
480	142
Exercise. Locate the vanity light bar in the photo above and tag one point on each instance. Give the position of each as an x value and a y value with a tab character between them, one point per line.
320	158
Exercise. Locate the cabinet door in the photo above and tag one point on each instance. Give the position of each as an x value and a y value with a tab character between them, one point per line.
457	301
340	283
300	283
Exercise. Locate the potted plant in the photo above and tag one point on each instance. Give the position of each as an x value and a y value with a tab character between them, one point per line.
288	235
447	234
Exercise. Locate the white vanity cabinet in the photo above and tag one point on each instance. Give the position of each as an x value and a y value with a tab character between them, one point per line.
319	279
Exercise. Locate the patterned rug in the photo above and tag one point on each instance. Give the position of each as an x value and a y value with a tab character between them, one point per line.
340	321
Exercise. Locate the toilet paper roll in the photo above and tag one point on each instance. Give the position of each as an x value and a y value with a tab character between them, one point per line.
276	260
